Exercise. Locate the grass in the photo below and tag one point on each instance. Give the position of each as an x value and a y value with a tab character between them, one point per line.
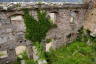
40	50
75	53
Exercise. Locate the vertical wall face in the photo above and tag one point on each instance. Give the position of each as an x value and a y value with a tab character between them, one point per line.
90	21
68	22
11	36
12	32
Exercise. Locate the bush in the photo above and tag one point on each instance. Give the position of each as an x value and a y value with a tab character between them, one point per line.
36	29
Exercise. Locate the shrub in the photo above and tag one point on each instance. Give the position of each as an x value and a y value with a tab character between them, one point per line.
36	29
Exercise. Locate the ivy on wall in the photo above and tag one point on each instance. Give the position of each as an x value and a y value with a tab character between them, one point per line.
36	29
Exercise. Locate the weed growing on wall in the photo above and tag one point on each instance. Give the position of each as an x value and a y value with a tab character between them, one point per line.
36	29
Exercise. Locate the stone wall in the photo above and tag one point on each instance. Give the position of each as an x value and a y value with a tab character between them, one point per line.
12	36
90	21
68	21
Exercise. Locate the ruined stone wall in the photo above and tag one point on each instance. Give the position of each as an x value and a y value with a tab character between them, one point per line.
68	22
90	19
12	36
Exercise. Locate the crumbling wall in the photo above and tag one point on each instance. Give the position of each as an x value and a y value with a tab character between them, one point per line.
90	19
12	36
68	22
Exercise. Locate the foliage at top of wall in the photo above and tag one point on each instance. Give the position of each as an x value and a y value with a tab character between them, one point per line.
36	29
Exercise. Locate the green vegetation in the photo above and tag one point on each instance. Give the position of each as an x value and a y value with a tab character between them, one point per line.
24	56
84	36
78	52
75	53
40	50
36	29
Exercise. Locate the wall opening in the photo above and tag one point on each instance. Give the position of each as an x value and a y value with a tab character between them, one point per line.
18	22
52	17
73	16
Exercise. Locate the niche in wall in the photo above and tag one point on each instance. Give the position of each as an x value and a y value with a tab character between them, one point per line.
52	17
18	22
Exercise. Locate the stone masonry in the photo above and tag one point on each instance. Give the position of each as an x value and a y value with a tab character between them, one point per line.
68	17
